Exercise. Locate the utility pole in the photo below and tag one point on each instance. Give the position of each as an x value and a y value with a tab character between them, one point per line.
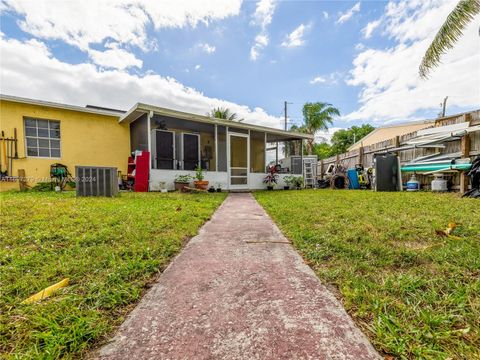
285	113
444	106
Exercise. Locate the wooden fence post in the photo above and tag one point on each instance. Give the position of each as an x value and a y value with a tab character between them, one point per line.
22	181
465	150
360	155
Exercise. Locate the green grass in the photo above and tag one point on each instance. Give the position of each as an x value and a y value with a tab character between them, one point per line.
414	293
110	248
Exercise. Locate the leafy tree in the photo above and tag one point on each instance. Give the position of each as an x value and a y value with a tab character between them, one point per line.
343	139
322	150
317	116
449	34
222	113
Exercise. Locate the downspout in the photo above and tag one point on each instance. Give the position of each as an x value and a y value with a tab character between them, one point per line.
216	147
301	160
149	141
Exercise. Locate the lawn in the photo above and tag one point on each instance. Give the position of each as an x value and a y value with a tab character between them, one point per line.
416	294
110	248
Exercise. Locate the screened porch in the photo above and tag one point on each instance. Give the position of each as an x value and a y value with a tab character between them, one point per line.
233	155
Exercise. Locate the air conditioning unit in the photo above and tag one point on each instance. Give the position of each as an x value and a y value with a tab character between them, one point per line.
96	181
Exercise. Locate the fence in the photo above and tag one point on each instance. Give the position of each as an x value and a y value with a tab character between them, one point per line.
469	146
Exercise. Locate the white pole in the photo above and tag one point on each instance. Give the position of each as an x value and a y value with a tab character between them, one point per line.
216	148
248	154
301	157
276	154
265	153
149	142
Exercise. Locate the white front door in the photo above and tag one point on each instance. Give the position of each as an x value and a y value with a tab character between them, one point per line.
238	153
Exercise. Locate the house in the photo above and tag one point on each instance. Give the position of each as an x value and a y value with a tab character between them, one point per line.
391	131
49	133
233	154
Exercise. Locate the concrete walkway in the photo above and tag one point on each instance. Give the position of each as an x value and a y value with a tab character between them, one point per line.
238	291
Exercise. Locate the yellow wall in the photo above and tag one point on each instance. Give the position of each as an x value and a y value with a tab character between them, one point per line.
85	139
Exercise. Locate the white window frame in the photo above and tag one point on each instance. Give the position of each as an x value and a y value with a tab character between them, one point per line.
25	118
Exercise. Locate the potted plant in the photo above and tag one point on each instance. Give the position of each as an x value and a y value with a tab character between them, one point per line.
271	177
200	183
298	182
182	181
289	181
219	187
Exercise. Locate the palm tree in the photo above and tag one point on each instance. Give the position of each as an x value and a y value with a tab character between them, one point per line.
449	34
222	113
317	116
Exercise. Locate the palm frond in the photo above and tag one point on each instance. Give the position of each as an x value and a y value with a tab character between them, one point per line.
223	113
449	34
318	116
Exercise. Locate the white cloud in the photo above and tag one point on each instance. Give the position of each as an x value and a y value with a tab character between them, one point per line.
82	23
254	53
370	28
331	79
197	67
29	69
262	17
115	58
209	49
348	14
390	85
325	15
318	80
326	136
261	39
264	13
295	38
359	47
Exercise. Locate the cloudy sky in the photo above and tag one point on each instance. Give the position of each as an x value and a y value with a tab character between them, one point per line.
192	55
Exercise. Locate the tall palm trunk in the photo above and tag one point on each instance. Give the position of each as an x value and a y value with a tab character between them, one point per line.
310	146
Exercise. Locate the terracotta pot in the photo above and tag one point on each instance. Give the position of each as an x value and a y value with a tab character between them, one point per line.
180	185
202	185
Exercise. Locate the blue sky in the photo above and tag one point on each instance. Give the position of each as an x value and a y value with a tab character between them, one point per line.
361	56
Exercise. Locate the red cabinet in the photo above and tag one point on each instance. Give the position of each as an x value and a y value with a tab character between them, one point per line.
138	170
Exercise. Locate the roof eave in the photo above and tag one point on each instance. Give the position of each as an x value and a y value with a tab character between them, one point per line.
140	108
55	105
